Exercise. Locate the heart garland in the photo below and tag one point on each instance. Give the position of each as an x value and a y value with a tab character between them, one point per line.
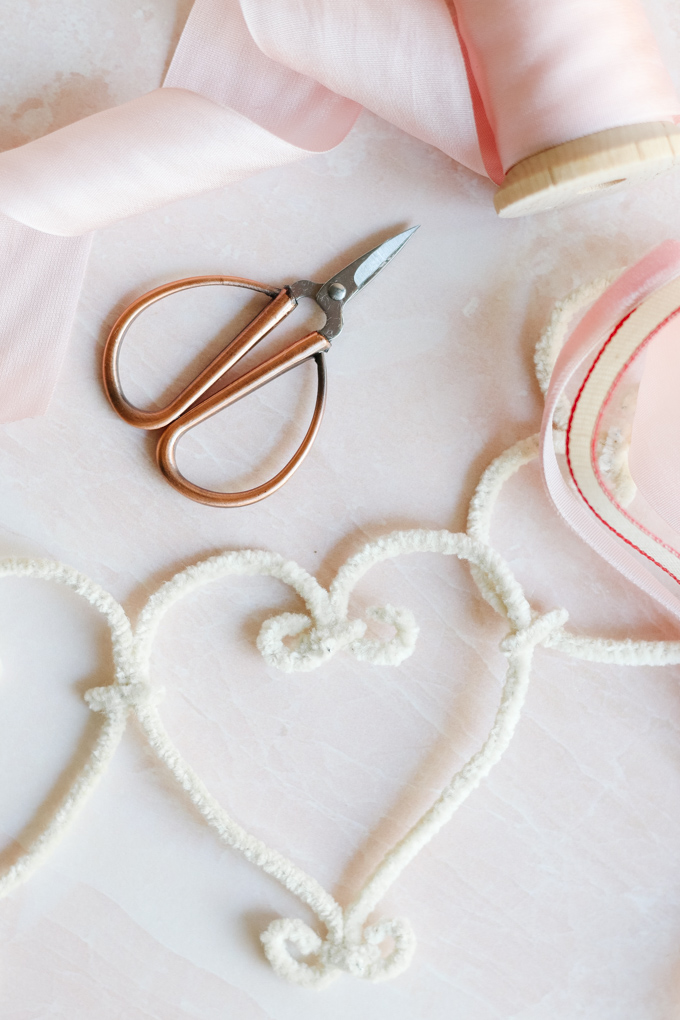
349	945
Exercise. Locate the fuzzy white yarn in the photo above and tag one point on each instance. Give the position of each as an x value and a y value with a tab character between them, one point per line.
348	944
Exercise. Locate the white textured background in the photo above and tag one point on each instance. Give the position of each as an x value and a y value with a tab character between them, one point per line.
555	892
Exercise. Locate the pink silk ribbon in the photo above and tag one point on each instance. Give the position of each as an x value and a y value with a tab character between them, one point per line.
255	84
598	328
654	456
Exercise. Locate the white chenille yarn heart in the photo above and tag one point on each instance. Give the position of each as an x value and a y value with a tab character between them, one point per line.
348	945
345	943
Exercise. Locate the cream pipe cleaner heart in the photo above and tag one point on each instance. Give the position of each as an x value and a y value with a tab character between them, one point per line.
258	83
348	945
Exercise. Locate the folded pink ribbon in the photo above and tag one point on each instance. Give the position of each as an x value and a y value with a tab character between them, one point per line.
632	330
258	83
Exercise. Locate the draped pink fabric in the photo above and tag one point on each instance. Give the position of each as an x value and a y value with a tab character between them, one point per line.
258	83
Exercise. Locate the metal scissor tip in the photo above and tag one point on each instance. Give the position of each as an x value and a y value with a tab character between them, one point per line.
337	291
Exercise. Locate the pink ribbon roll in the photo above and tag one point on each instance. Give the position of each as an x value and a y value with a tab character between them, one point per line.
258	83
551	72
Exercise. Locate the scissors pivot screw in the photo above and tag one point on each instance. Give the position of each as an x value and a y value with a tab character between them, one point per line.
337	291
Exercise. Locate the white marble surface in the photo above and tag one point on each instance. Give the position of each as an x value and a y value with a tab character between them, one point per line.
555	892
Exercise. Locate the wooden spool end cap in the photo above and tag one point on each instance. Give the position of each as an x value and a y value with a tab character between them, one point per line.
602	162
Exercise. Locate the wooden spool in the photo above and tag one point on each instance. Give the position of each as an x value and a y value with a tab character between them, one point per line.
605	161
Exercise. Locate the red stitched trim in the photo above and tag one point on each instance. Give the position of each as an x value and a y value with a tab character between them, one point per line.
569	428
593	457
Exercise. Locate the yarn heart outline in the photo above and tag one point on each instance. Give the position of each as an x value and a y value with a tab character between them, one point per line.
347	946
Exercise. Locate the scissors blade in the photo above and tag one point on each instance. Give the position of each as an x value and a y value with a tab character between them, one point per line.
360	272
337	291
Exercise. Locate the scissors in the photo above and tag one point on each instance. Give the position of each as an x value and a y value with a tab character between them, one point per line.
188	409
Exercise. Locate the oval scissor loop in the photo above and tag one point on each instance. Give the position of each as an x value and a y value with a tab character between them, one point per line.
277	309
165	452
188	409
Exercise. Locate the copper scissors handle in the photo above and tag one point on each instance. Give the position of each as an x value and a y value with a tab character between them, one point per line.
187	409
190	407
